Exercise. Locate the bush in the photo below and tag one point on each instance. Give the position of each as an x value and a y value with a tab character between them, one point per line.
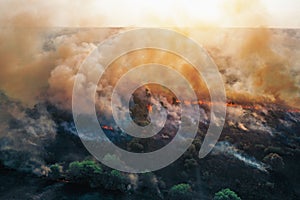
190	163
115	180
84	171
275	161
135	146
226	194
56	171
89	172
86	166
147	180
180	192
272	149
191	152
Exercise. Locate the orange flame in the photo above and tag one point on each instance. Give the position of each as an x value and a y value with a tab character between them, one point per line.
107	127
149	108
231	104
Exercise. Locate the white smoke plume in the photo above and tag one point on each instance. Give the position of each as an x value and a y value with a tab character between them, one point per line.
228	149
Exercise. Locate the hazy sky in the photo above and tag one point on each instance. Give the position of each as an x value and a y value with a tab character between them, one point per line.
274	13
282	13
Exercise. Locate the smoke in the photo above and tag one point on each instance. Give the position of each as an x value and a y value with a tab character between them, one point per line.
258	64
24	134
241	13
39	63
36	59
32	72
161	99
253	120
228	149
25	67
270	68
42	63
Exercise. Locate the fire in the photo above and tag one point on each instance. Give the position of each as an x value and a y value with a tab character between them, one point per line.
107	127
231	104
149	108
228	104
293	110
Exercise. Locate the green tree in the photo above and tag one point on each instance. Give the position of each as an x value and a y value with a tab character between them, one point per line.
84	171
190	163
180	192
115	180
226	194
147	180
56	171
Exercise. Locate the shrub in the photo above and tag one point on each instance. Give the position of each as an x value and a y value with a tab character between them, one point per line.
272	149
275	161
147	180
115	180
135	146
190	163
226	194
86	166
180	192
191	152
84	171
56	171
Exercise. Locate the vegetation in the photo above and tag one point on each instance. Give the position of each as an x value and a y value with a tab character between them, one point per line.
190	163
135	146
275	161
84	170
273	149
226	194
180	192
115	180
56	171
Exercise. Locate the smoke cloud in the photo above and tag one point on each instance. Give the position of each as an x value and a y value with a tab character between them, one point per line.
42	63
24	135
39	64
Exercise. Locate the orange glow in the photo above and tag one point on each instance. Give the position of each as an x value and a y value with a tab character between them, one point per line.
149	108
107	127
231	104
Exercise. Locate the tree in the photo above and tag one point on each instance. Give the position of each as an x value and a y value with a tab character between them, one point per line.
115	180
90	172
180	192
190	163
226	194
84	171
149	182
56	171
135	146
275	161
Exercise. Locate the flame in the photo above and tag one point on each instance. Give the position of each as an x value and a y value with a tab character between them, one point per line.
231	104
228	104
149	108
107	127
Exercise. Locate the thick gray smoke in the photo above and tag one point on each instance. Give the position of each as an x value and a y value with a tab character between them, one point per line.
24	134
